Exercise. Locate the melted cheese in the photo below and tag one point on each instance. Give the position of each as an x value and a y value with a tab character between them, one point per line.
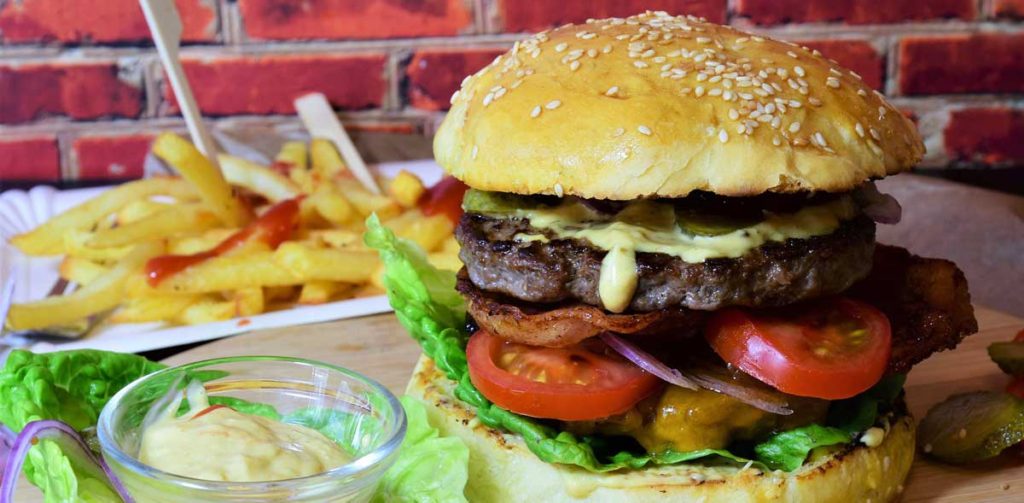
651	227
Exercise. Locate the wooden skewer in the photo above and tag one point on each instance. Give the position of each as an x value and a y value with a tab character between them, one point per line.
321	122
165	25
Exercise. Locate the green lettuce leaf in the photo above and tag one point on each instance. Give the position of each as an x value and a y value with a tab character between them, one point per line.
430	468
788	450
69	386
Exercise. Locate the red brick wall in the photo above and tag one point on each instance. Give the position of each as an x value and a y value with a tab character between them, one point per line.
82	92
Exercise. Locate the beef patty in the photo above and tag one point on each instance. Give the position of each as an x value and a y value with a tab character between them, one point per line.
560	270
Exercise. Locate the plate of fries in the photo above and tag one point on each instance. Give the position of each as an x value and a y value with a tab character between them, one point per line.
207	253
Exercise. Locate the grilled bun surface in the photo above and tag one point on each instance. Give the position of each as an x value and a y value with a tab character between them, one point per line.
660	106
502	469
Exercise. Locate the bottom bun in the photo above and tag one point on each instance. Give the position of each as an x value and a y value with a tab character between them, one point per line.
502	468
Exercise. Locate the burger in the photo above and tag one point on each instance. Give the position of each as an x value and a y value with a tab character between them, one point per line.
671	282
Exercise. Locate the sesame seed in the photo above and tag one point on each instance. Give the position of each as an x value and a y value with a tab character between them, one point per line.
799	70
640	64
776	141
575	65
659	59
881	112
561	47
832	82
516	83
874	134
553	104
728	95
814	101
607	49
612	91
488	99
860	129
535	52
474	152
862	93
857	75
703	40
733	114
715	92
757	39
746	96
644	130
588	36
535	112
699	91
648	53
795	104
794	127
792	54
723	136
776	122
820	138
558	190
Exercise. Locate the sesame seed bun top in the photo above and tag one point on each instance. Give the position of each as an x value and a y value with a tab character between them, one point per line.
659	106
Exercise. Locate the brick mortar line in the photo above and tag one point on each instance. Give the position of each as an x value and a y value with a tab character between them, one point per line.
34	54
934	103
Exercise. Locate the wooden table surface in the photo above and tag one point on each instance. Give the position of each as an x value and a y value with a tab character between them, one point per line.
379	347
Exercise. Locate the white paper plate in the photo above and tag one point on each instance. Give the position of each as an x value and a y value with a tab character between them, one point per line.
21	211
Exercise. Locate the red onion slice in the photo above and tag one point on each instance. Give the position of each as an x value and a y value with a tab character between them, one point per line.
700	378
881	208
70	443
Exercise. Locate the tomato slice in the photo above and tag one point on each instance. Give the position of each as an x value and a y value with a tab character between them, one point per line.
578	383
445	198
830	349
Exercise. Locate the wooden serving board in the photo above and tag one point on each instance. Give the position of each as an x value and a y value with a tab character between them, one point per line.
379	347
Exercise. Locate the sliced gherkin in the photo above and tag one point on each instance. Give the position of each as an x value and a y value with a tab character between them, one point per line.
701	223
482	201
972	426
1009	356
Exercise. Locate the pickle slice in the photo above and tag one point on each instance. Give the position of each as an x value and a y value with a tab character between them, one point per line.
481	201
714	224
972	426
1009	356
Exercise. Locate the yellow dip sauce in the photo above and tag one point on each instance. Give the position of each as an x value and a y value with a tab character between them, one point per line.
222	444
651	226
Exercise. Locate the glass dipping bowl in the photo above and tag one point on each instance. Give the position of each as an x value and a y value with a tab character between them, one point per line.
362	416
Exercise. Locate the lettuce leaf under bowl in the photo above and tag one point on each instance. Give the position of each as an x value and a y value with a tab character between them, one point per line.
71	387
427	305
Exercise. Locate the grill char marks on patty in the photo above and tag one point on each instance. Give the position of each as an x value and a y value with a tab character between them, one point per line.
566	270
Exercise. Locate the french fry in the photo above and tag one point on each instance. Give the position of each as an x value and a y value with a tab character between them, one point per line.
208	181
308	262
366	202
428	232
207	310
369	290
48	238
259	179
332	205
249	301
338	238
137	210
76	245
325	158
197	244
320	292
153	308
294	153
102	294
445	260
230	272
278	293
407	189
81	271
171	221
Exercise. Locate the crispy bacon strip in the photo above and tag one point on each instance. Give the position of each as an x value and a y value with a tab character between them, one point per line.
926	300
566	324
